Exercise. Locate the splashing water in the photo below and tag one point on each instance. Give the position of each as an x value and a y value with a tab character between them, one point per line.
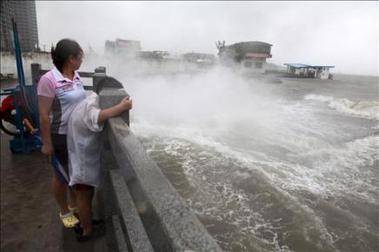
262	170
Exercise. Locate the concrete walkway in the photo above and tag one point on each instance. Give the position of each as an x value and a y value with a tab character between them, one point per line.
29	214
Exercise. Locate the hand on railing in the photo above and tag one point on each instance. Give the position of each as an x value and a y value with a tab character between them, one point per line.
126	103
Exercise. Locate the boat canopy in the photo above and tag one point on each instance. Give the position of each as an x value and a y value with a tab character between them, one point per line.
300	65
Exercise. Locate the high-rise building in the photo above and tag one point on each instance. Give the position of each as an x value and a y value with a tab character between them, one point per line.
24	13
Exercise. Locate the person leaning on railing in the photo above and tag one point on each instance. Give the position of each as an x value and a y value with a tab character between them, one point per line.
84	147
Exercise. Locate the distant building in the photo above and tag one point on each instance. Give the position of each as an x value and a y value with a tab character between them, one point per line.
251	55
24	13
197	62
124	47
154	55
200	59
308	71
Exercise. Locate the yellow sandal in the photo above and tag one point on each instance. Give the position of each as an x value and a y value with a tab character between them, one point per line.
69	220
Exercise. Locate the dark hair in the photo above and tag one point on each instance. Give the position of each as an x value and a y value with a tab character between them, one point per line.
63	50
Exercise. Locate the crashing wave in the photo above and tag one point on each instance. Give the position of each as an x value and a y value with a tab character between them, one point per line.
362	109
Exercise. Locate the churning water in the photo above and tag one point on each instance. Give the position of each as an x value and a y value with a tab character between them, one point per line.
283	167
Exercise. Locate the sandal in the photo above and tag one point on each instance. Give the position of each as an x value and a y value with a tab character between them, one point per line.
69	220
97	232
98	222
95	222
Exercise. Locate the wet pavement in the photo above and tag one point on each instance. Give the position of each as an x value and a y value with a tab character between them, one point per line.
29	213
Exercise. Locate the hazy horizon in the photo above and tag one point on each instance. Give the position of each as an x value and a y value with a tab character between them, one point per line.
344	34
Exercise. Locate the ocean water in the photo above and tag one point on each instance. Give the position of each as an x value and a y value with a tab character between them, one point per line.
291	166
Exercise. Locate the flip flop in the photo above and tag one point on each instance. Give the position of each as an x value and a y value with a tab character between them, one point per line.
69	220
95	222
97	232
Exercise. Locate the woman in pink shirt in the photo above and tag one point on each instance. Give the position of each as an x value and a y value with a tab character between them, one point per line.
59	91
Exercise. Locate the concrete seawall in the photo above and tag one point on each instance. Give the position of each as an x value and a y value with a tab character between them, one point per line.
152	207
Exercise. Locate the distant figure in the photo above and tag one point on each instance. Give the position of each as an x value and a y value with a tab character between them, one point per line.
59	91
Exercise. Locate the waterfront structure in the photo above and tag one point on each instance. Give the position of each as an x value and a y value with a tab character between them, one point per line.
308	71
250	56
154	55
128	48
200	59
24	14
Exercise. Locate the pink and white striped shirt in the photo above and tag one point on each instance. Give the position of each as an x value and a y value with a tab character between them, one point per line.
66	93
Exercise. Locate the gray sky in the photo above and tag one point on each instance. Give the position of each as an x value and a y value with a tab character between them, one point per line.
344	34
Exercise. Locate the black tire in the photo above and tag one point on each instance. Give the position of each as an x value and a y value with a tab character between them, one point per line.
11	133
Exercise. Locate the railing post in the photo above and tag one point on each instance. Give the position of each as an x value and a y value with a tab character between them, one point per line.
98	76
100	69
36	68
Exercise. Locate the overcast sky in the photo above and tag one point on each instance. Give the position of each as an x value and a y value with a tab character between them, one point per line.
344	34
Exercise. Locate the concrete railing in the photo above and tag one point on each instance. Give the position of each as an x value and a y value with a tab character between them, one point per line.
143	211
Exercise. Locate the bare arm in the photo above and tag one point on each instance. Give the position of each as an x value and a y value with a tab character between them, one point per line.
45	104
114	111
